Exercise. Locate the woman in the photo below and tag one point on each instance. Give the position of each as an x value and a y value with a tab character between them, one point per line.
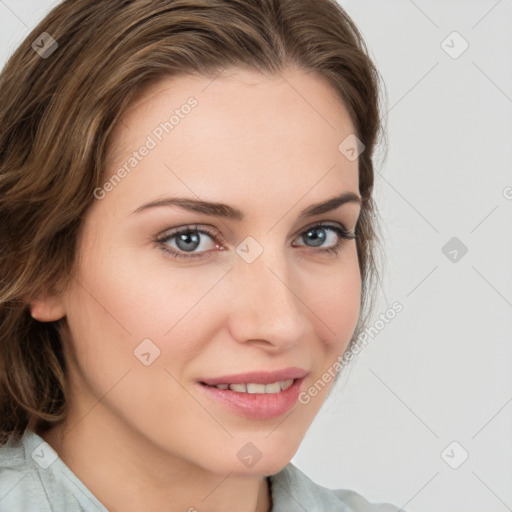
188	234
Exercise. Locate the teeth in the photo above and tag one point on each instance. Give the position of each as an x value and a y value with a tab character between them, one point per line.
256	388
253	388
271	388
286	384
238	387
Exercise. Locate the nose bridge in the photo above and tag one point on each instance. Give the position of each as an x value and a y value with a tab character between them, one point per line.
267	306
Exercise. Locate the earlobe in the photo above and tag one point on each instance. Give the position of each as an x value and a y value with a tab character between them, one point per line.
47	309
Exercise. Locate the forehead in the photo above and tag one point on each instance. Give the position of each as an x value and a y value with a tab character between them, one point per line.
239	131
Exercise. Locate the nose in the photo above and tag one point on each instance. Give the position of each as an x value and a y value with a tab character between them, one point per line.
267	308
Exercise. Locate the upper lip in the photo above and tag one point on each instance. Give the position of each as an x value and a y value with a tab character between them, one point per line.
257	377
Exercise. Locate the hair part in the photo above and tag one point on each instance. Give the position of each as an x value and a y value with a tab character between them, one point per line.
58	113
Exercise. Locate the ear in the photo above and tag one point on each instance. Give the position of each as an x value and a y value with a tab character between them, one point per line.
47	308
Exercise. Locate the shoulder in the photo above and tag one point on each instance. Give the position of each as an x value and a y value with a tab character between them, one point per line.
34	479
292	490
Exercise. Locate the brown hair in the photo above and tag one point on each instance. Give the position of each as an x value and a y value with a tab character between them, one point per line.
59	108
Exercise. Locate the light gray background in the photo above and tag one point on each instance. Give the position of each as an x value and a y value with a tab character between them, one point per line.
440	371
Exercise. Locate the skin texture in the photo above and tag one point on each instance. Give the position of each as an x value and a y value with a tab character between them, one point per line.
144	437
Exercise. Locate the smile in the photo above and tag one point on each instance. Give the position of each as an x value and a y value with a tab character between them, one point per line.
254	388
254	400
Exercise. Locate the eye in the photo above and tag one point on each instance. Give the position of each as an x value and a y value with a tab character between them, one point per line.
185	242
334	235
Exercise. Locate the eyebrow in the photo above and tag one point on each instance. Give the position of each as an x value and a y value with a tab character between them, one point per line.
229	212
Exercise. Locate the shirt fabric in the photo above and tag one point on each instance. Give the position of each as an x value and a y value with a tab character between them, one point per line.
34	479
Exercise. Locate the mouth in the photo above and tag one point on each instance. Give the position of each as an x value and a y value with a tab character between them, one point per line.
256	395
254	387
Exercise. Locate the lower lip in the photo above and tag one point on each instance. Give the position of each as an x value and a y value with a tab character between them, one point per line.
259	406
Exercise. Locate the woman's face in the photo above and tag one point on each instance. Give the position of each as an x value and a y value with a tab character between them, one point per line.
260	291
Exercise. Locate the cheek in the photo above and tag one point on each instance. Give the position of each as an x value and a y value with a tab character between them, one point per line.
122	300
334	297
116	306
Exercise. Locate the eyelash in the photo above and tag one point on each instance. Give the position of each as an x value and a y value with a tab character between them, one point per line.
343	235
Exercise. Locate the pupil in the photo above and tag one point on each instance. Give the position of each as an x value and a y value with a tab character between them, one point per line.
188	238
315	238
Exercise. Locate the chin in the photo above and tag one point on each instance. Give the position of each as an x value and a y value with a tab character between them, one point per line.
260	469
256	459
